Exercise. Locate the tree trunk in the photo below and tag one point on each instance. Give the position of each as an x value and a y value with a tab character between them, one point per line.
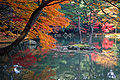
34	16
79	29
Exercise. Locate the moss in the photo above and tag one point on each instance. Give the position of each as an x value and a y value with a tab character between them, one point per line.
80	45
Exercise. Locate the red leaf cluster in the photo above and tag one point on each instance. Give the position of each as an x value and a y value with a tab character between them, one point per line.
106	43
107	27
96	25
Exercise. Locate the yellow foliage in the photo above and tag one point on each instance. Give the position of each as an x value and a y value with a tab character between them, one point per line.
111	11
107	59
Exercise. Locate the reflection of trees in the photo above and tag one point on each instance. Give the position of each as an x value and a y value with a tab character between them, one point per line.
107	58
95	66
67	75
25	74
7	72
89	65
43	60
86	67
90	70
74	38
5	63
24	58
46	74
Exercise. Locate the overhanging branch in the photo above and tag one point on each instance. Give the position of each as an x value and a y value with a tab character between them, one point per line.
57	2
111	3
32	19
109	15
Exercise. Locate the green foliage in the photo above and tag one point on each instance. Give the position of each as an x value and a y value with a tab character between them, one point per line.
73	10
81	45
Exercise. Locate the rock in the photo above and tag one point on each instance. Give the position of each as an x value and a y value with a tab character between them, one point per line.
32	46
63	61
80	47
32	42
72	48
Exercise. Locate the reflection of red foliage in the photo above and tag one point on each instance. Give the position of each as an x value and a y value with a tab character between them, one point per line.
71	54
94	56
98	47
96	44
42	53
25	51
107	44
24	60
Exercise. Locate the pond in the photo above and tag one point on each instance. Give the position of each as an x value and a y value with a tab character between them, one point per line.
30	62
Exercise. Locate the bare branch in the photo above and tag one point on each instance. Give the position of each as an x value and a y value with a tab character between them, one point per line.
43	1
38	2
91	10
111	3
56	2
105	13
109	15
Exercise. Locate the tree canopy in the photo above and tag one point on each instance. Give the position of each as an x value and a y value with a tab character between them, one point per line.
33	18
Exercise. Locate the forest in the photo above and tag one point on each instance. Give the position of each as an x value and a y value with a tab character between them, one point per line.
34	34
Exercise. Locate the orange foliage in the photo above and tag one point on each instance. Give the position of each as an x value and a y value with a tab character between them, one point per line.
22	10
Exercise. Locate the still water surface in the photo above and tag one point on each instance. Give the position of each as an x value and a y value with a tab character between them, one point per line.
30	62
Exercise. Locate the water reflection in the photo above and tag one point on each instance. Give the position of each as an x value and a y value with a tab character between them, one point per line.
107	56
49	64
111	74
24	58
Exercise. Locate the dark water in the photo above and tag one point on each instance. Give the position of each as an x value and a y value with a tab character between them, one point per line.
30	62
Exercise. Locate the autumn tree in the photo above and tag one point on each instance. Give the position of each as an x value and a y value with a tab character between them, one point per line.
92	15
31	17
34	17
108	11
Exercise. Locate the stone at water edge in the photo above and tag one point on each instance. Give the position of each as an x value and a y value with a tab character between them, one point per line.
80	47
32	42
